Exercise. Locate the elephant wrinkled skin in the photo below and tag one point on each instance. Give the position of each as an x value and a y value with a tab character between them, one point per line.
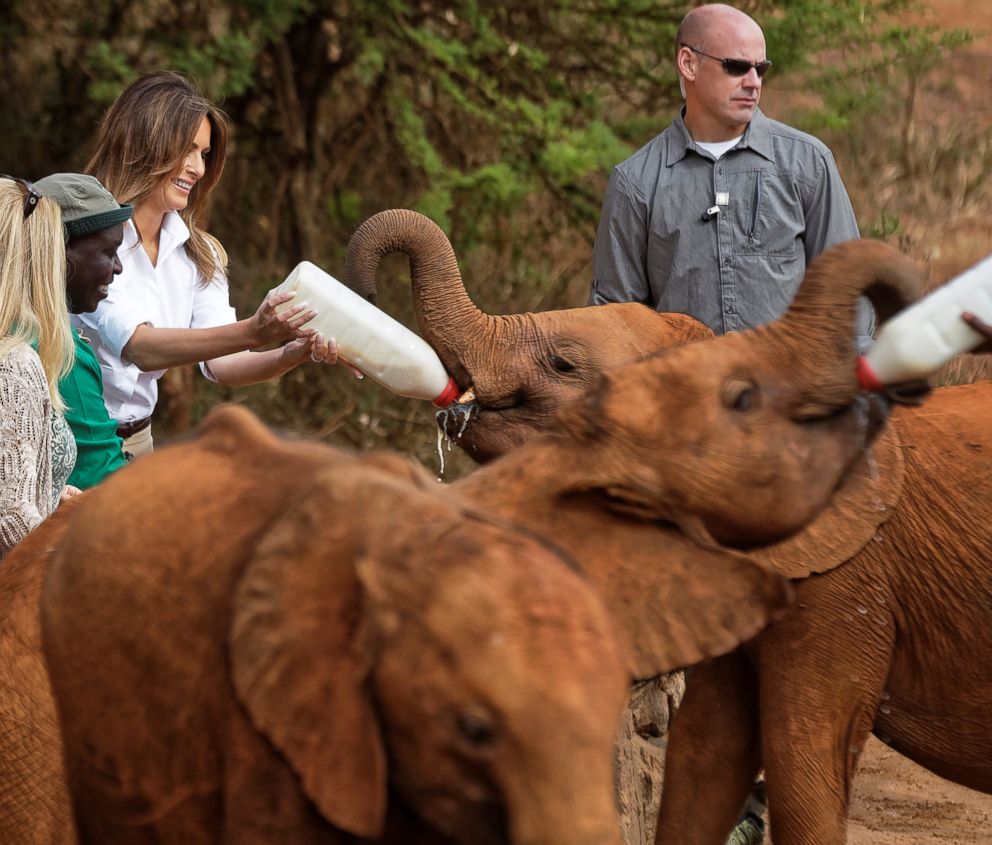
278	642
523	367
311	573
34	801
892	577
895	642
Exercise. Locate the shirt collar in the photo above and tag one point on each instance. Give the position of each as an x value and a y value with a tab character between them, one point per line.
174	234
757	137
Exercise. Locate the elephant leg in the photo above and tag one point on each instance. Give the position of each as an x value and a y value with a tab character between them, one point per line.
819	693
713	753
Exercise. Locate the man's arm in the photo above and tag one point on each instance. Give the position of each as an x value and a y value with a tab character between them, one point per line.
619	256
829	214
830	220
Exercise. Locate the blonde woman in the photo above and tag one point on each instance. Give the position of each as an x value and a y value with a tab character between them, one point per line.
161	148
37	450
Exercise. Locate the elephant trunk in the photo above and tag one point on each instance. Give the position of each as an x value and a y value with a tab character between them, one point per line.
448	319
583	815
816	336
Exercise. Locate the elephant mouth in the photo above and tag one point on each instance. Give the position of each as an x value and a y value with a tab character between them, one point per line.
478	430
454	420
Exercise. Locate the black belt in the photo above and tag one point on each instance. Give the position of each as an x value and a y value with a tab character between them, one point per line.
127	429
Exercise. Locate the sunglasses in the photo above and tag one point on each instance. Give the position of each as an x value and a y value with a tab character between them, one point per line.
735	67
31	198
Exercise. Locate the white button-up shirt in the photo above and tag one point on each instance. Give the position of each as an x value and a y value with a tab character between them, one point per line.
166	296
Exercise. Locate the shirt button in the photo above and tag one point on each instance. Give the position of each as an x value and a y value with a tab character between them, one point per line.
726	262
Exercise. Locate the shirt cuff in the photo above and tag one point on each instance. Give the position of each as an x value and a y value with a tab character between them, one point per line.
117	327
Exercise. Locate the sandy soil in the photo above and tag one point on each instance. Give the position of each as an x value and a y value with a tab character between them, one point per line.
895	801
898	803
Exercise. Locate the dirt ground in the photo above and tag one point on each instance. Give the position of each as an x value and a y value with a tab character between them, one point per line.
898	803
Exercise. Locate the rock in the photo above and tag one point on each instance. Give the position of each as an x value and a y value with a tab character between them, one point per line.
641	754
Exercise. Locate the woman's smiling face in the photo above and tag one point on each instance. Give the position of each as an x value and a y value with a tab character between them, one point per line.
172	193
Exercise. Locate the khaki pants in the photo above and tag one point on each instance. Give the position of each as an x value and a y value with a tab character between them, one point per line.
140	443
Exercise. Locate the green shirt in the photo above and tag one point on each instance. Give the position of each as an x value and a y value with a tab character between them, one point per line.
99	448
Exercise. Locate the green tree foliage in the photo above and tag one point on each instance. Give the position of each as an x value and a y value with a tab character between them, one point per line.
498	120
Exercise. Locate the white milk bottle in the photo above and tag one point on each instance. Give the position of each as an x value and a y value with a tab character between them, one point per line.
928	334
369	339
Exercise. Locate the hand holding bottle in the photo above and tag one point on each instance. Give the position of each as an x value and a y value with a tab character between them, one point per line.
915	343
314	347
982	328
276	321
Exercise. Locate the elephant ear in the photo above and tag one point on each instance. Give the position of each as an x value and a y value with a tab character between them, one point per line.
301	660
694	604
863	503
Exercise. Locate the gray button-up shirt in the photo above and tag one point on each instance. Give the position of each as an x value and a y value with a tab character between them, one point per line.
781	201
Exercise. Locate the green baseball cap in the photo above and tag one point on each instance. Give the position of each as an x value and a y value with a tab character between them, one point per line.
87	206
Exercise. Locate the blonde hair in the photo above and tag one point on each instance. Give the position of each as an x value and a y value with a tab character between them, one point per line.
144	137
32	284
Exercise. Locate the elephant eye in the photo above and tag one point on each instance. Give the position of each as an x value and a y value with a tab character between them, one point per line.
562	365
476	727
740	395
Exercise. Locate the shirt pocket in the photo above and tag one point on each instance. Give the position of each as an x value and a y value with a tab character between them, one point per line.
771	220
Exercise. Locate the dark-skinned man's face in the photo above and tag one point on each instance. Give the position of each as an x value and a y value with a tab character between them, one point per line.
92	263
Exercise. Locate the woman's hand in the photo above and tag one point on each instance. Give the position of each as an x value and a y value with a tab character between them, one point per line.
311	348
68	492
314	348
267	326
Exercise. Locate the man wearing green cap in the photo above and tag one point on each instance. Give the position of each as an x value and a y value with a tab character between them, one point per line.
94	229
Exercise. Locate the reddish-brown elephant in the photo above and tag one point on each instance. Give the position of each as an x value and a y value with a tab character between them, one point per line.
277	642
523	367
199	640
884	642
34	800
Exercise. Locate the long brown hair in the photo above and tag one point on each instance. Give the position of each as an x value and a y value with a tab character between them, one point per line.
144	137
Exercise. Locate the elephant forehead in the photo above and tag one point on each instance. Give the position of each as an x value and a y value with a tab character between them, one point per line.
546	630
502	584
685	381
647	401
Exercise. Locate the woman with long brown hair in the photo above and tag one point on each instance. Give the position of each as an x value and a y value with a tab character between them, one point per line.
37	450
161	148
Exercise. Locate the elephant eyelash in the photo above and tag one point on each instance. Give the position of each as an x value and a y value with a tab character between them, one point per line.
744	400
740	395
561	365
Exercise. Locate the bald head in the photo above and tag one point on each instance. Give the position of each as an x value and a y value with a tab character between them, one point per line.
713	21
717	56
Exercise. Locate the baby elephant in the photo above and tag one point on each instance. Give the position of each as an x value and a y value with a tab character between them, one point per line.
253	640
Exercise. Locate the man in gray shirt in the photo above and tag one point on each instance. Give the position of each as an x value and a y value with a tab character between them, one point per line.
719	215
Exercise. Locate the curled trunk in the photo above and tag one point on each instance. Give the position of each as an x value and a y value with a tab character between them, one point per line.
448	319
818	331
